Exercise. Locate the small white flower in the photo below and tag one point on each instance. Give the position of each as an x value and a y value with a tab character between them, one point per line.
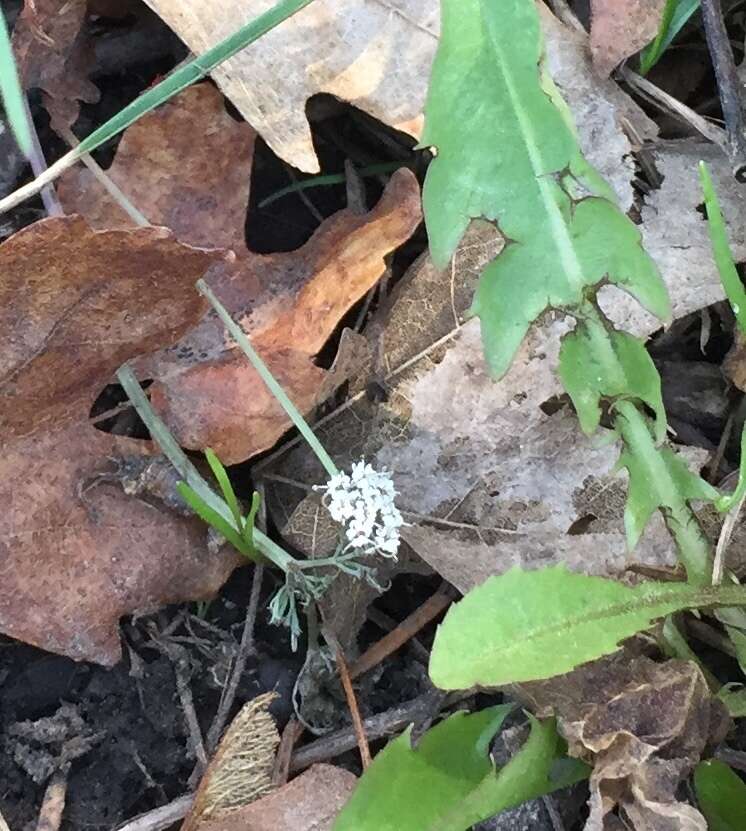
363	502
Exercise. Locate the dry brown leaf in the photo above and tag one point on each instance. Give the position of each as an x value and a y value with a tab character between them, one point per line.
186	165
620	28
240	772
51	53
643	726
308	803
76	553
290	303
375	54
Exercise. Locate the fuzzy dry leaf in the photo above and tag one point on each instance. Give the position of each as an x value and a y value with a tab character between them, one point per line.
375	55
240	772
77	553
308	803
52	54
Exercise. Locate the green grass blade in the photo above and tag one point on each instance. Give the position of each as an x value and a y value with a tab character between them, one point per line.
213	518
238	334
12	94
675	16
160	93
248	528
221	475
729	276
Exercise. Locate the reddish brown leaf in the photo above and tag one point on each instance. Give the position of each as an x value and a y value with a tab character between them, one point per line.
620	28
51	53
76	552
186	165
309	803
290	303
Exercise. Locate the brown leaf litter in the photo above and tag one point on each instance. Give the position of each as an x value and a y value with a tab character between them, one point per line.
643	726
376	56
52	53
289	303
76	553
620	28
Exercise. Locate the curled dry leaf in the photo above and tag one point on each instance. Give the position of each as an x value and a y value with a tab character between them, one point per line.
289	304
51	53
308	803
240	772
644	726
620	28
76	553
375	55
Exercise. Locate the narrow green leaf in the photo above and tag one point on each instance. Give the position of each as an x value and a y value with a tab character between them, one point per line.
221	476
503	153
14	99
608	364
248	528
538	768
676	13
721	794
729	276
528	625
726	501
410	789
738	639
213	518
734	698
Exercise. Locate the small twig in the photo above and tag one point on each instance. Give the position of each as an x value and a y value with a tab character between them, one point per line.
734	758
675	108
344	676
246	648
554	815
564	13
713	466
729	86
407	629
303	196
290	735
383	621
53	804
39	165
160	818
376	727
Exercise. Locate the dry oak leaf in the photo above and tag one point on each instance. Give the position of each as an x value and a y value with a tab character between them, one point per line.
51	53
290	303
76	553
643	726
375	54
620	28
206	390
185	165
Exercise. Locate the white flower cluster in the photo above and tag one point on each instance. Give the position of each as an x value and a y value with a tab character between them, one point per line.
363	502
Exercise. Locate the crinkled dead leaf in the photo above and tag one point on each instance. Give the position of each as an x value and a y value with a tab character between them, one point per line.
240	772
308	803
289	303
374	55
644	726
77	553
51	53
620	28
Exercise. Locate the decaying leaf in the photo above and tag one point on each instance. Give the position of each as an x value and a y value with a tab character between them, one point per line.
374	55
644	726
240	772
51	53
308	803
76	553
205	389
620	28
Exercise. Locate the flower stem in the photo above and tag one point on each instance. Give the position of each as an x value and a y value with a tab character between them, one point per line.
292	411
